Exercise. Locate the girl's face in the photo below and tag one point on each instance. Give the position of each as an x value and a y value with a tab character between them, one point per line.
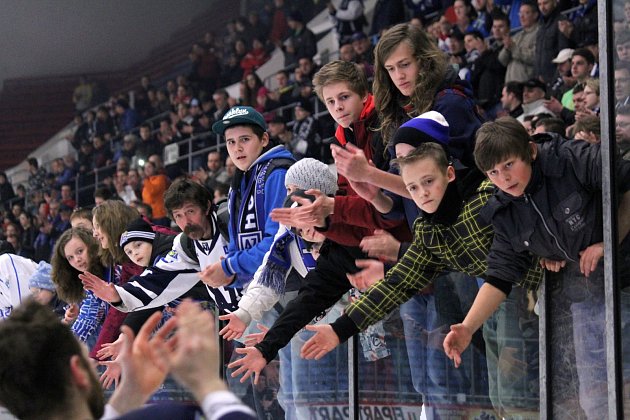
76	252
139	252
98	233
402	68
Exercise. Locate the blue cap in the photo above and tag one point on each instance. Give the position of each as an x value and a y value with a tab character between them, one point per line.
428	127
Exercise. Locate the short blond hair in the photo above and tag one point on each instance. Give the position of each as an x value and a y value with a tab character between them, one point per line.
429	150
340	71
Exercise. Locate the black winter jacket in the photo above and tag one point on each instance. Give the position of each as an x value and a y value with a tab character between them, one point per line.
560	213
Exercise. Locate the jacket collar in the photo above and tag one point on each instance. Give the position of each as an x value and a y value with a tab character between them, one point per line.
366	119
449	208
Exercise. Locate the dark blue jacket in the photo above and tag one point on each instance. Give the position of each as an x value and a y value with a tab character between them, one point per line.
560	213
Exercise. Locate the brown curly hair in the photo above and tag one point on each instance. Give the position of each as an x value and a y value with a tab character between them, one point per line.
66	277
113	216
432	64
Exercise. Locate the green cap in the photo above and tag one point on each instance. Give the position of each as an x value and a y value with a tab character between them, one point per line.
239	115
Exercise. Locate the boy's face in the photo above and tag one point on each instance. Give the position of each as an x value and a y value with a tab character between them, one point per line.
402	68
591	98
623	51
82	223
427	183
511	176
344	105
139	252
311	235
622	125
243	146
580	68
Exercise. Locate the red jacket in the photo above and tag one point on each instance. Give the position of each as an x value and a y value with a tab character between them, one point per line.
353	217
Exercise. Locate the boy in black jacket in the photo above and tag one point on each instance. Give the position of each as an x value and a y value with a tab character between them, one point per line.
549	204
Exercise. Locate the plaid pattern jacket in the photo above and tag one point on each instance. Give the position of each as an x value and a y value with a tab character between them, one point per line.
461	246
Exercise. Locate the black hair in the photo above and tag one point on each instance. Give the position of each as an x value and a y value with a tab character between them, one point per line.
184	191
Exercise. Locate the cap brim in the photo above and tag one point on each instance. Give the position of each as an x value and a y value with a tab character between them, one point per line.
220	126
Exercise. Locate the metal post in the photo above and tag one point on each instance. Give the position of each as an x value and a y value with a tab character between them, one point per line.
544	375
609	202
353	377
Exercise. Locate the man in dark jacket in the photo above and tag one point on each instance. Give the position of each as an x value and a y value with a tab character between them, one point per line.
549	40
487	70
301	41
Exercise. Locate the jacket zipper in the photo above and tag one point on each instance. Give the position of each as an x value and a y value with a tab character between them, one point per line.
529	199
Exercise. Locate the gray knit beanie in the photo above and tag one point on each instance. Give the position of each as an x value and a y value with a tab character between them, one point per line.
308	173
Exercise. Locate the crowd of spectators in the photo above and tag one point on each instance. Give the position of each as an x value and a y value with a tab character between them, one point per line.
537	62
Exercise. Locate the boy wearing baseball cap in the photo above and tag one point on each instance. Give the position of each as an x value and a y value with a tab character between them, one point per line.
257	188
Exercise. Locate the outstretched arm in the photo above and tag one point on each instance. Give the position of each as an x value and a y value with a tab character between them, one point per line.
141	375
324	341
250	364
457	340
193	358
101	289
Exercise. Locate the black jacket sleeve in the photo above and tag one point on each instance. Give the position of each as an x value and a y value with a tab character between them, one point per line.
323	286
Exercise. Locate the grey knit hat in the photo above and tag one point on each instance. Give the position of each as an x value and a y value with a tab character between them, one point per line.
308	173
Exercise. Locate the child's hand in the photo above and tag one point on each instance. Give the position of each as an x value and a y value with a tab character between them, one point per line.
381	245
308	214
324	341
234	329
253	339
552	265
110	349
351	162
372	272
100	288
72	312
111	376
456	341
214	276
590	257
252	363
